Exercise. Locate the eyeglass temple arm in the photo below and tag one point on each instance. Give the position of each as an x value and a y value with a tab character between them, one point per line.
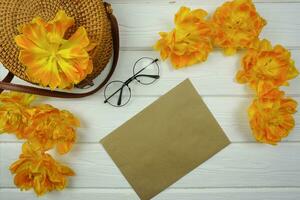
120	95
146	75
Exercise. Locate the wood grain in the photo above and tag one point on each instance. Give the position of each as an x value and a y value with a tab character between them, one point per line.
238	165
140	23
215	77
212	2
99	119
170	194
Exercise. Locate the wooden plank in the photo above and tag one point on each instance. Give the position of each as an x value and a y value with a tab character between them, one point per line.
238	165
170	194
213	2
99	119
140	23
214	77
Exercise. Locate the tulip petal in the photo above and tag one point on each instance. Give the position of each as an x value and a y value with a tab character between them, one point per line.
60	24
36	34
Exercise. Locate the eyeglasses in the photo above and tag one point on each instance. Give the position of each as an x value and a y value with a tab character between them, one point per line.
145	71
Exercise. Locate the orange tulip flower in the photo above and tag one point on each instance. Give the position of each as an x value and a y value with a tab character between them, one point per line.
38	170
267	65
50	127
49	58
14	115
272	119
189	42
236	25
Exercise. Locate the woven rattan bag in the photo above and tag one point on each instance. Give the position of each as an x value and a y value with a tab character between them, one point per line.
94	15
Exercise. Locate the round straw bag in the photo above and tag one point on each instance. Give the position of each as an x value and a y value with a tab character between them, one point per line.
97	18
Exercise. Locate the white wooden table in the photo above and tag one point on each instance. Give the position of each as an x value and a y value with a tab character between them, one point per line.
244	170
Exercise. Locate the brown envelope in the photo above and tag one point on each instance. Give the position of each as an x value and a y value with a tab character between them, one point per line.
165	141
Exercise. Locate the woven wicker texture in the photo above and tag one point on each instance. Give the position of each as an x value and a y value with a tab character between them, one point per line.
88	13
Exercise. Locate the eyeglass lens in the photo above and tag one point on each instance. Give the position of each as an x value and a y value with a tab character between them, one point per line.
117	93
145	69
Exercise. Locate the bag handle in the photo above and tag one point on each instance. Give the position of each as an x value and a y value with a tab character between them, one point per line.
6	85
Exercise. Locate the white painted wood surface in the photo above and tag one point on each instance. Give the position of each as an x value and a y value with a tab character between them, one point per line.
244	170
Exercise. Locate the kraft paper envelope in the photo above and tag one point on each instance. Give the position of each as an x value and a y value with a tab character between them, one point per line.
165	141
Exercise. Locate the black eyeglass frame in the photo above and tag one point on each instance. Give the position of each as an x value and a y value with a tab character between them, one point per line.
129	80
